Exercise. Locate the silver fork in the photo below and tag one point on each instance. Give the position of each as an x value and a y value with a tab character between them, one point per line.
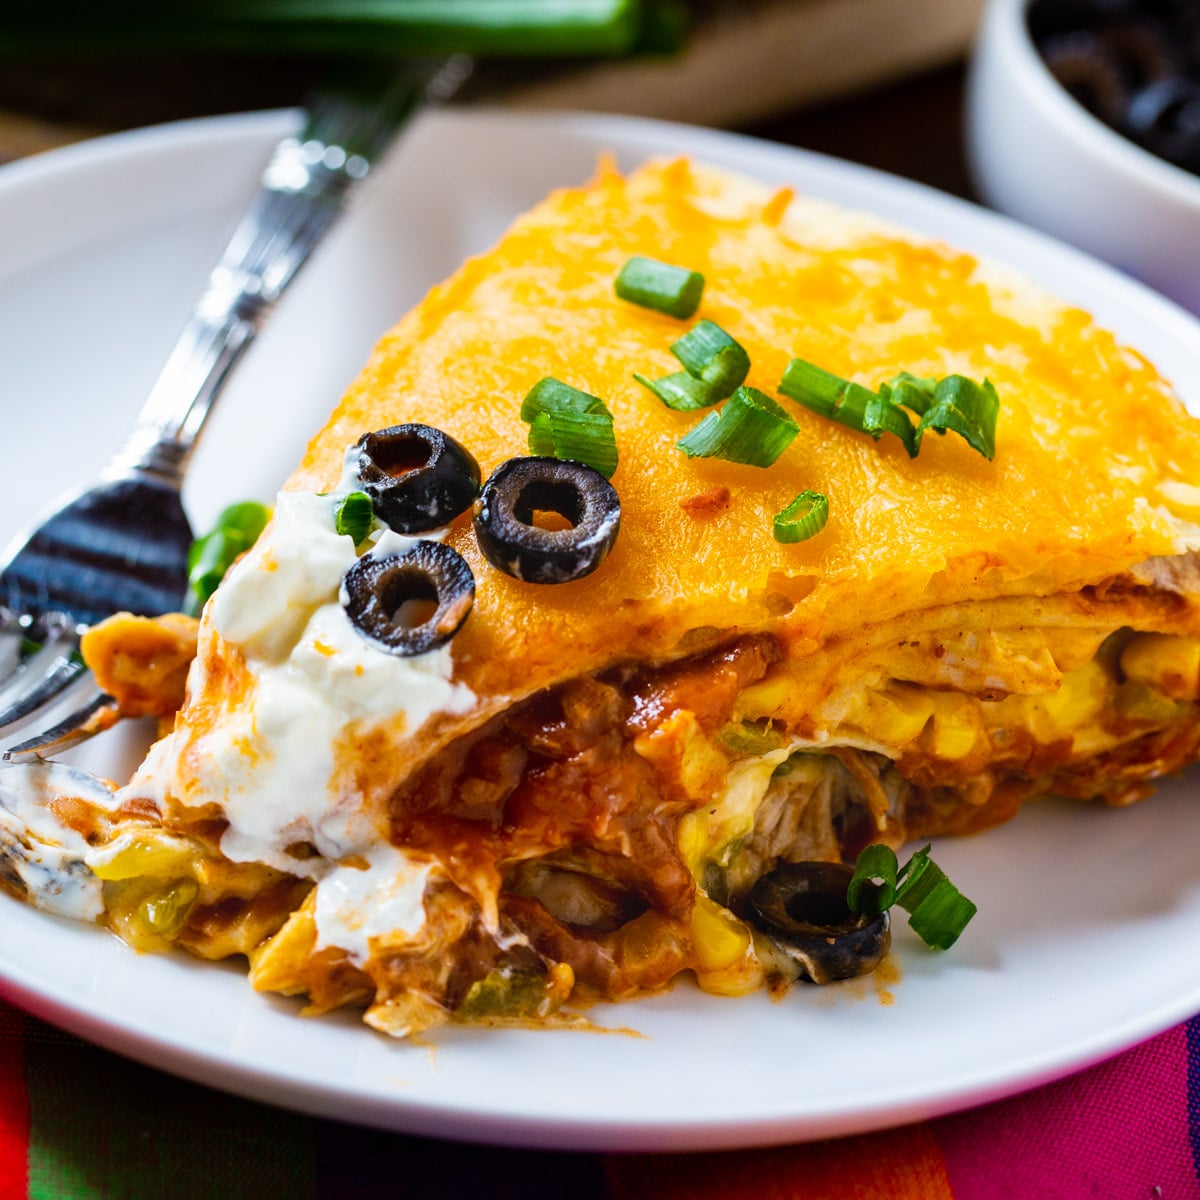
122	545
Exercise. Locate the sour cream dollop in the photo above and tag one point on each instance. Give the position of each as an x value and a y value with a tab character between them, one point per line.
382	900
317	688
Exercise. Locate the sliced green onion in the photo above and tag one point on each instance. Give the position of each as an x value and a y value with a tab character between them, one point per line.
938	911
541	436
370	27
208	560
354	516
584	437
552	395
810	385
237	529
675	291
805	516
664	27
567	423
750	429
248	517
715	365
878	417
966	407
712	356
911	391
873	888
681	391
846	402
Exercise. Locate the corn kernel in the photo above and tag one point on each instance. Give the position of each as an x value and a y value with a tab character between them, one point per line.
719	939
1170	665
764	699
954	730
897	716
1084	694
951	740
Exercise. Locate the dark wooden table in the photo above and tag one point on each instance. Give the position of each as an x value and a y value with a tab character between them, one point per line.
911	128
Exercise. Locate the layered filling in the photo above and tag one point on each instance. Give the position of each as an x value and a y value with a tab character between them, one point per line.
599	838
590	841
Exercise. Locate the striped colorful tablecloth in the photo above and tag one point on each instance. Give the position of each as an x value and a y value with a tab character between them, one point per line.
77	1122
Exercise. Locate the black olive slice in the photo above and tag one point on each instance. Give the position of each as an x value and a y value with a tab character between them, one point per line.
1142	49
1088	69
412	602
802	908
506	512
1165	118
1045	17
418	477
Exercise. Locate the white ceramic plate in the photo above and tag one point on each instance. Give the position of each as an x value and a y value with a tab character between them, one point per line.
1084	942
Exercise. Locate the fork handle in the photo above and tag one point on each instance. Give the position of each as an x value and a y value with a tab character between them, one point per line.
303	190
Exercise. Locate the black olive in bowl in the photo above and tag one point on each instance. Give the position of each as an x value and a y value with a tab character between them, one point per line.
1134	64
1165	118
1039	155
418	477
802	908
581	499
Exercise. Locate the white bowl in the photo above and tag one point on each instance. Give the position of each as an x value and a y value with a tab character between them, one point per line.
1040	156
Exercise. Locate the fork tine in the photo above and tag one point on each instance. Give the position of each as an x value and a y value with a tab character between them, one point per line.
54	672
96	715
26	636
12	643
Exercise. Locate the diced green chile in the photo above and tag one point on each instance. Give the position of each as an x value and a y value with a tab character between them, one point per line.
802	908
418	477
166	912
504	993
520	488
412	602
